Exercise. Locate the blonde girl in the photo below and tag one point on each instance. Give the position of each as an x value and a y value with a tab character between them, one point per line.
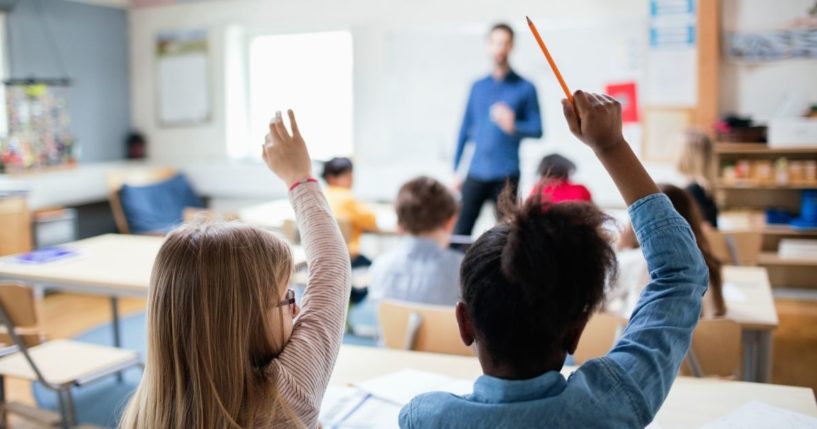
225	349
697	163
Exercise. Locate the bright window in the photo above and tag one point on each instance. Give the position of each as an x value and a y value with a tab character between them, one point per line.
310	73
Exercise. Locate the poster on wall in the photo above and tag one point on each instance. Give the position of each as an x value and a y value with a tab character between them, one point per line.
672	55
183	77
625	93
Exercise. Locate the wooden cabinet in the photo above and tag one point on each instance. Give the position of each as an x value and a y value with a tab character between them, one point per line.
15	225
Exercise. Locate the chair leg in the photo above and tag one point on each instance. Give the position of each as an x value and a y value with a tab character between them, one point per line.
63	410
3	413
71	412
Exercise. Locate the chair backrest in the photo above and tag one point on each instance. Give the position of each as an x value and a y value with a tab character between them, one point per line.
18	309
419	327
22	308
15	216
716	349
735	247
599	336
137	177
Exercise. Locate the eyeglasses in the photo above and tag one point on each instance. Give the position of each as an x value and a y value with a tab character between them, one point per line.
289	300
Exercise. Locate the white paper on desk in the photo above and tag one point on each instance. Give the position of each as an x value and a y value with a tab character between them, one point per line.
337	403
373	413
401	386
732	293
759	415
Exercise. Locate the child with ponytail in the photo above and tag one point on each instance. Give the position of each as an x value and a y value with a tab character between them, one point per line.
530	284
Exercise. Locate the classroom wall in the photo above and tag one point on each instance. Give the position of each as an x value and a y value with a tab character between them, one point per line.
93	44
760	89
414	63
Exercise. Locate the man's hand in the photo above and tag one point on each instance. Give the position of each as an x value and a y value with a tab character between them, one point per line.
286	154
595	119
504	117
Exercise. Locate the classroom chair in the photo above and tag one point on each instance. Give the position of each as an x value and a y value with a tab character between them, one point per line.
599	336
58	365
716	350
735	247
150	200
420	327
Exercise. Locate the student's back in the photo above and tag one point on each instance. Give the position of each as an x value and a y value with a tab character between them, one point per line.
227	343
554	183
530	284
421	268
418	270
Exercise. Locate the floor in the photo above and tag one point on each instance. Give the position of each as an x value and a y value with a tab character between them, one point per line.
795	341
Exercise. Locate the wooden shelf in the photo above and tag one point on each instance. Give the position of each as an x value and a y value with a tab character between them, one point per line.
787	230
773	259
749	187
761	149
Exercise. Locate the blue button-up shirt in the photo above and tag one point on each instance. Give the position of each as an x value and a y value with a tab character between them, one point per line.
418	270
623	389
496	154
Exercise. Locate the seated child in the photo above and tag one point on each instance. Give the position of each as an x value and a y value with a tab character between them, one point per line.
698	163
337	172
554	181
530	284
224	346
421	269
633	274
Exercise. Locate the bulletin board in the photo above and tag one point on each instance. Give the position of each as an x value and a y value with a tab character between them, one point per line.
183	78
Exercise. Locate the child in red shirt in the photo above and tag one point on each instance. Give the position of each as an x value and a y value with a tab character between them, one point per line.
554	183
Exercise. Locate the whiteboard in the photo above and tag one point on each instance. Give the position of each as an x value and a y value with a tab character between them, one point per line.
429	72
183	78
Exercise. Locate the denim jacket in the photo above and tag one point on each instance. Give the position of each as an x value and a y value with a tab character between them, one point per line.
623	389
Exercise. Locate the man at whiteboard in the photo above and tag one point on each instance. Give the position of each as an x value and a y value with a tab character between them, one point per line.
502	109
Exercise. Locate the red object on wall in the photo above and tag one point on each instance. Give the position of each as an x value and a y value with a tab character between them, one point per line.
625	93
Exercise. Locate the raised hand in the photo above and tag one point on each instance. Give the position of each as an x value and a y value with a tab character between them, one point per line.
286	154
595	119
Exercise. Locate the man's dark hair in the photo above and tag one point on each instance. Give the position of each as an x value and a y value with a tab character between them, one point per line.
335	167
530	280
555	166
423	205
504	27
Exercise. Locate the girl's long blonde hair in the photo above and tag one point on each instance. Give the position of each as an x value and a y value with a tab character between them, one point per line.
211	291
697	159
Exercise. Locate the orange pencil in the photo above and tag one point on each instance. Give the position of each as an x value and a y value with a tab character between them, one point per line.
552	63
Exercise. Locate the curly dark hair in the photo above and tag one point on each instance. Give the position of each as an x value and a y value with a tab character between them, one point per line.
532	278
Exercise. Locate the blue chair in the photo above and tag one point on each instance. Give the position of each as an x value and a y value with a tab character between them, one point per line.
150	201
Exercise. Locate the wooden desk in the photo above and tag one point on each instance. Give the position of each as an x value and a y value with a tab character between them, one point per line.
749	301
275	214
796	273
112	265
691	403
